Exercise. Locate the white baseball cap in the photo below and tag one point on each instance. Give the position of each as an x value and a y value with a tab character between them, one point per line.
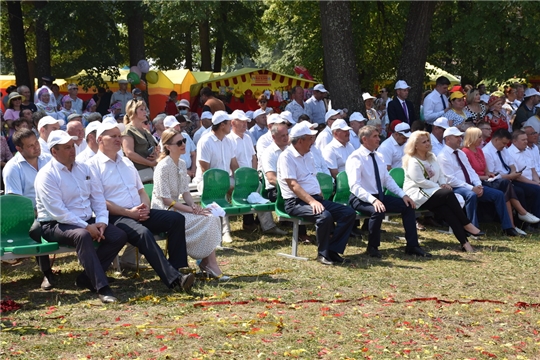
530	92
366	96
356	116
484	98
48	120
59	137
320	87
249	114
274	119
206	115
219	117
340	124
303	128
258	112
403	128
240	115
441	122
329	114
107	125
93	126
452	131
401	84
170	122
287	116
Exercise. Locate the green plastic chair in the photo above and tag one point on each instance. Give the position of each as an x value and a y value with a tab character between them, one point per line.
343	192
216	186
15	222
398	174
148	188
246	181
283	216
326	184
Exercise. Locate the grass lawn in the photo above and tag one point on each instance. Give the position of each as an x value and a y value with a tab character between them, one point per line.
454	306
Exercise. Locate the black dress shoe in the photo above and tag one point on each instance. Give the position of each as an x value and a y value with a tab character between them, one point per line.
418	251
324	260
480	233
82	281
511	232
373	252
337	259
356	233
49	282
185	281
106	295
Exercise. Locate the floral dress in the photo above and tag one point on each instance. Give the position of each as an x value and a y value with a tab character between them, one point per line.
203	233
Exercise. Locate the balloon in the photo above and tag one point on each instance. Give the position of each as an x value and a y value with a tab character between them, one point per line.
133	78
135	70
143	66
142	85
152	77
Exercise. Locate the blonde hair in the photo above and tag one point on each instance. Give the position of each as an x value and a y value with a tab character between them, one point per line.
166	137
470	95
131	108
410	147
472	134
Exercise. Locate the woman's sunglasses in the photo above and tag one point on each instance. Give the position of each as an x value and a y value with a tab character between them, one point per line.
180	142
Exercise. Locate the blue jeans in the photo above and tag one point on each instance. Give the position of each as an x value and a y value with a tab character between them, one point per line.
491	196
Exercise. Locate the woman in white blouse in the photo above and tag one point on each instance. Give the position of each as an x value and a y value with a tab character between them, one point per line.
203	231
426	185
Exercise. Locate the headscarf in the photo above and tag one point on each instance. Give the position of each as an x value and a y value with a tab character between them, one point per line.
89	105
52	101
49	107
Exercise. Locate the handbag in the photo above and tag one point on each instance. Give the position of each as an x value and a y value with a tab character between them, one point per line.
146	175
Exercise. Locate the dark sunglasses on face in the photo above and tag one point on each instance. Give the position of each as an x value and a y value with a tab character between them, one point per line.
180	142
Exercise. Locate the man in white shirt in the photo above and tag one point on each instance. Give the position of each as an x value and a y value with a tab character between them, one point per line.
206	126
436	136
122	95
260	128
523	159
392	148
280	135
45	125
436	103
129	209
356	122
325	136
91	141
367	175
339	149
67	195
76	102
170	122
266	139
76	128
302	194
315	107
532	147
19	175
465	181
296	106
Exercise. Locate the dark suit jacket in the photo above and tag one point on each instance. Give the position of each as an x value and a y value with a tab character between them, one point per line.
395	111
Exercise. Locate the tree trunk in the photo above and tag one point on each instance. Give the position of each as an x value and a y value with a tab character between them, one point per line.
412	64
43	42
220	40
339	57
204	40
188	51
16	36
135	25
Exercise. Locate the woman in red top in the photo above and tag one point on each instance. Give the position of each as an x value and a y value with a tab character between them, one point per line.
471	143
496	117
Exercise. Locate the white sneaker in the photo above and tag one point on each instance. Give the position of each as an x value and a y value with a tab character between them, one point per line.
226	238
529	218
520	232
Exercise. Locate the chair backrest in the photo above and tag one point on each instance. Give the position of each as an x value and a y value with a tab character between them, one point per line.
343	191
16	218
216	185
148	188
246	181
280	202
326	184
398	174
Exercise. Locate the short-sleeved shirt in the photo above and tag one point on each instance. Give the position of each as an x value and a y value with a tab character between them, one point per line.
336	154
269	162
296	109
292	165
315	109
256	132
217	153
244	150
324	138
19	176
522	160
392	152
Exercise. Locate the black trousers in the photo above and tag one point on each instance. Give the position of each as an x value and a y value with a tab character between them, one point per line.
94	261
141	235
444	204
272	196
392	204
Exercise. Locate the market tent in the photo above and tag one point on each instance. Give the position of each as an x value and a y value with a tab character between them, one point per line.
434	72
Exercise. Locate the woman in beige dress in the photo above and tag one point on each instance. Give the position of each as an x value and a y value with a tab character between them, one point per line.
203	231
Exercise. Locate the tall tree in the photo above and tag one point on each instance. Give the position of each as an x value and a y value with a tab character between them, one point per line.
16	35
412	64
43	40
204	43
339	56
135	25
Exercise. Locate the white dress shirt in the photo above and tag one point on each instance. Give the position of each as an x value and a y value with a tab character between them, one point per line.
361	175
256	132
264	141
292	165
77	105
244	150
436	145
315	109
118	179
269	162
318	160
452	170
44	147
323	138
522	160
69	197
19	176
493	162
392	152
336	154
199	133
354	139
296	109
80	148
217	153
534	153
433	106
85	155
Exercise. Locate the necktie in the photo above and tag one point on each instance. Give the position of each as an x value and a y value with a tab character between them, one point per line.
405	110
377	177
443	102
506	167
465	172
